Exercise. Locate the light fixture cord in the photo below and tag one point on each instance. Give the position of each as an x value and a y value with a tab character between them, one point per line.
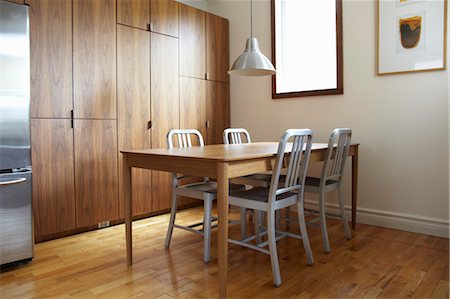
251	18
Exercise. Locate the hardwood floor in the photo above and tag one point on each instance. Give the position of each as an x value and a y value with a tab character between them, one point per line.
376	263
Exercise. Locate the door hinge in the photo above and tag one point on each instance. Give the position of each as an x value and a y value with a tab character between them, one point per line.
149	125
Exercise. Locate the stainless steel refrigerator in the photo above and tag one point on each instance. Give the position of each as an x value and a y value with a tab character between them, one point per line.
16	232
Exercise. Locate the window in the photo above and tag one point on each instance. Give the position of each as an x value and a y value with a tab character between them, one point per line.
307	48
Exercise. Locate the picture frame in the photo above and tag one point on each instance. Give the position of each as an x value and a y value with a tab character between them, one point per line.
411	36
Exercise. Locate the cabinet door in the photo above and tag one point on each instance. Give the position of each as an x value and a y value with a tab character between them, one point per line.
94	58
51	58
165	107
164	17
218	102
53	176
193	104
192	42
96	186
217	48
134	13
133	98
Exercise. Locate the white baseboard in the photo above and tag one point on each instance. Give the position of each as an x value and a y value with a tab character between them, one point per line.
407	222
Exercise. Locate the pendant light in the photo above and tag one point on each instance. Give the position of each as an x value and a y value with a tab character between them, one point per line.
252	62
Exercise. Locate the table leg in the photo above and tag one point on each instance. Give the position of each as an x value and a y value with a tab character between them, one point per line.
354	185
127	205
222	206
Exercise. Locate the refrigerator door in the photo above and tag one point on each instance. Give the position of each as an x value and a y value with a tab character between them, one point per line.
16	233
14	86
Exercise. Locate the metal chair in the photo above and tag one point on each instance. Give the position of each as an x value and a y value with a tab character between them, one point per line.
330	180
206	191
241	136
279	196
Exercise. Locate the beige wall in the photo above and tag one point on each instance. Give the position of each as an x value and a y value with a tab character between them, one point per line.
401	121
200	4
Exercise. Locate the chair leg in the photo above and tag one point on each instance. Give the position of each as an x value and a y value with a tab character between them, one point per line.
323	221
243	223
258	221
348	233
304	231
173	213
273	248
287	217
207	211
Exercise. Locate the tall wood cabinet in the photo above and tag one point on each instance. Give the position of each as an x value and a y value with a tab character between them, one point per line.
108	75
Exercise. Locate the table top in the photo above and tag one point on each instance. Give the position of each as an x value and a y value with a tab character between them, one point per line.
221	152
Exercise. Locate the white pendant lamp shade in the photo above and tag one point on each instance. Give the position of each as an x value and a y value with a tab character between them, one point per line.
252	62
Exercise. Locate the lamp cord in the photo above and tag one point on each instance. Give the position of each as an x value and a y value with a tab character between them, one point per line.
251	18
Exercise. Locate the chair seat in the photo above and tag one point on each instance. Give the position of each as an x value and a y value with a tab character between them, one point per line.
257	180
204	190
312	184
257	198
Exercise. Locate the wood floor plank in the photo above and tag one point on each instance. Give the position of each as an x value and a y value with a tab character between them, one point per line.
376	262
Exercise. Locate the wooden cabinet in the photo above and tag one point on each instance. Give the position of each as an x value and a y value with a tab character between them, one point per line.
165	107
53	176
218	107
133	97
96	171
127	87
164	17
134	13
51	58
217	48
94	58
193	104
192	42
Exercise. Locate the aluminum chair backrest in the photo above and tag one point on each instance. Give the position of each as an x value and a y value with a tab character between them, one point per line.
184	138
234	136
337	152
297	162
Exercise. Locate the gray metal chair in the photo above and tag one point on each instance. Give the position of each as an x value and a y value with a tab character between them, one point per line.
279	196
241	136
206	191
330	180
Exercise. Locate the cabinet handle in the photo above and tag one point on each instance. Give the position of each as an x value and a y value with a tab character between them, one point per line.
71	118
149	125
11	182
206	76
150	27
207	124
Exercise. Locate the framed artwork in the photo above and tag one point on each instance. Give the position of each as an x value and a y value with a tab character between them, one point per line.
411	35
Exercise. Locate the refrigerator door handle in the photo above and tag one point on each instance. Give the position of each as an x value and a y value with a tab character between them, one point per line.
11	182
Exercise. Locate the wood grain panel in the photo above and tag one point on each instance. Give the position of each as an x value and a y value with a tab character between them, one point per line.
51	58
96	171
134	13
165	107
217	48
218	106
164	16
192	42
53	176
193	104
133	98
94	56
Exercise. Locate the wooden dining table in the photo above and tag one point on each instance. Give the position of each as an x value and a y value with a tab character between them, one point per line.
221	162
